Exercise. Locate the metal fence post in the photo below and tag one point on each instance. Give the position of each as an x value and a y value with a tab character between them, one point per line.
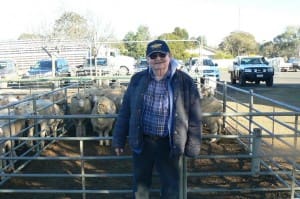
255	165
35	124
83	185
224	103
295	171
251	121
182	178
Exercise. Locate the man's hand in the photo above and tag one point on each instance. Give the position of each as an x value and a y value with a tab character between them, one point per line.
119	151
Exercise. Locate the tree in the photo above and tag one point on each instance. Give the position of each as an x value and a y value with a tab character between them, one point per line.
239	43
177	43
284	45
177	48
268	49
202	40
288	43
135	43
71	26
181	33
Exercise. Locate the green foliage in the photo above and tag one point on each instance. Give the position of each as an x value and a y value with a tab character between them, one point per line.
177	47
71	26
239	43
181	33
267	50
202	40
135	43
222	55
286	44
178	43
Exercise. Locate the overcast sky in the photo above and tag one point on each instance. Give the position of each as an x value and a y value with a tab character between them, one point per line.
215	19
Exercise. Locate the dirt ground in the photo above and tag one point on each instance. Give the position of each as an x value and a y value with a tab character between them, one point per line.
91	148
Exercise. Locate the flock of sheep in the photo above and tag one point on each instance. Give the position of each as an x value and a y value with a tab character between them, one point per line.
11	126
95	100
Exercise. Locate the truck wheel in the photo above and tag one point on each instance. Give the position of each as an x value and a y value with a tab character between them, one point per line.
269	82
123	71
242	80
233	81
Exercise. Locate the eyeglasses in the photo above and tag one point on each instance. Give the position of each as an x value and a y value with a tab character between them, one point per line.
155	55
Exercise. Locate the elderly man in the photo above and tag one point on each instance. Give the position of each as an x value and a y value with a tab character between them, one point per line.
161	117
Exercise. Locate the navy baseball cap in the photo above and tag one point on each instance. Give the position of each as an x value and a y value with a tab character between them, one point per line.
157	46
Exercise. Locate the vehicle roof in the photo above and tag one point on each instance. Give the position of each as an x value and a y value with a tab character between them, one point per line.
249	56
51	59
6	60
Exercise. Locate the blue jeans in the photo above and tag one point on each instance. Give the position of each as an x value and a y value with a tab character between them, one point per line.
156	152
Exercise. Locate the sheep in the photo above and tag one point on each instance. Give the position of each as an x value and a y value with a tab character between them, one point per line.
115	93
210	104
57	97
46	107
7	99
80	104
9	129
94	93
103	126
43	107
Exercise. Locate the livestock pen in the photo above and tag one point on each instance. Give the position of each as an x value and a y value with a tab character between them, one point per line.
255	157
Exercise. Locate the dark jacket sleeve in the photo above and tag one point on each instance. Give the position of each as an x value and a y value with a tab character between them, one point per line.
121	127
193	143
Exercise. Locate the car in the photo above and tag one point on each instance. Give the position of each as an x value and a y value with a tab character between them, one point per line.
43	68
8	71
295	61
205	67
280	65
141	64
93	67
252	69
114	65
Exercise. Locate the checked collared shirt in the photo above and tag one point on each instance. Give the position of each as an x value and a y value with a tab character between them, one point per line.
156	109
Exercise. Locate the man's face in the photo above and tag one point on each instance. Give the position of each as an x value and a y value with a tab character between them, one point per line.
159	61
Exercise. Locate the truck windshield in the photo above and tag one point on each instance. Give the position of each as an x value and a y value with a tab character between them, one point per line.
208	62
253	61
3	65
43	65
100	61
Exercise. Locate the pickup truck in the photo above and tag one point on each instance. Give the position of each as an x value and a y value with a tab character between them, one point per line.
295	63
113	65
280	65
44	69
8	71
205	67
251	69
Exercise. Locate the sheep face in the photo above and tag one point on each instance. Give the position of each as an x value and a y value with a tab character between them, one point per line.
103	126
